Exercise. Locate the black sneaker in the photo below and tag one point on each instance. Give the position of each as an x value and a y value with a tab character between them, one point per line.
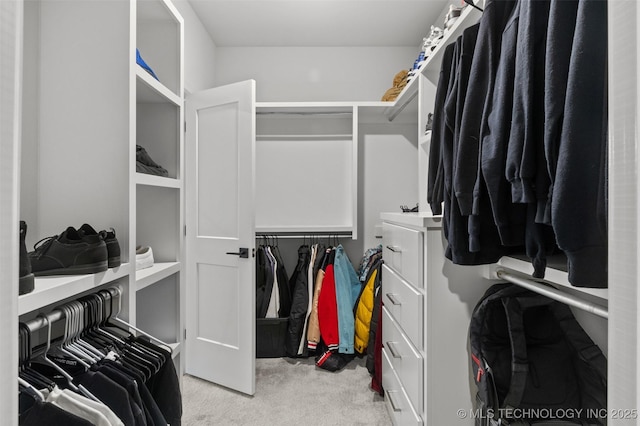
109	237
27	280
69	254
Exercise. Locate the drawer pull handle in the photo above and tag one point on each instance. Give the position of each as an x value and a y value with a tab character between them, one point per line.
395	407
393	350
394	249
394	300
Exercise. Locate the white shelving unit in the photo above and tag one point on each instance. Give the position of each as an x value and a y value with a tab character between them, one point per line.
302	145
452	290
86	107
158	208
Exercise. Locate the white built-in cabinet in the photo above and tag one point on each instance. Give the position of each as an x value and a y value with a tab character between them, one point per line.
86	104
440	382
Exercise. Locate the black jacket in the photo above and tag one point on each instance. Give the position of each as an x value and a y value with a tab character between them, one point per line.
435	178
479	95
509	217
578	210
299	304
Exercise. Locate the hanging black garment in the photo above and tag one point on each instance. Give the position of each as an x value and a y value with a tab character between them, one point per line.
47	414
299	304
283	284
579	204
150	406
264	282
107	391
164	386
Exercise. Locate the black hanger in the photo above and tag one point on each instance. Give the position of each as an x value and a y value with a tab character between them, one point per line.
471	3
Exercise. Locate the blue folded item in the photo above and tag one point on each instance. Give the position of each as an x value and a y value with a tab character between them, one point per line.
144	65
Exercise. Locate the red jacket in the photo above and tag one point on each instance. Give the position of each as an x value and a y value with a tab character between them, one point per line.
328	310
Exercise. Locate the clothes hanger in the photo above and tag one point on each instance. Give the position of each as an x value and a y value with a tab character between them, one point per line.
25	371
115	318
66	375
32	388
71	352
82	324
471	3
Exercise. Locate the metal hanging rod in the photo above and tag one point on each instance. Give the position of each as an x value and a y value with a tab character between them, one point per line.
303	235
40	322
555	294
346	113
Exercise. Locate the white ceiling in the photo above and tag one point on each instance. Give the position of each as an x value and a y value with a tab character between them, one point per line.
233	23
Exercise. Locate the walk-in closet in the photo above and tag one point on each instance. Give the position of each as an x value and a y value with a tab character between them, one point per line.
277	212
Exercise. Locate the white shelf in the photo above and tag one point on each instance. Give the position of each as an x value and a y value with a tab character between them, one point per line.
53	289
152	180
556	277
307	136
304	107
150	90
338	229
176	348
431	66
149	276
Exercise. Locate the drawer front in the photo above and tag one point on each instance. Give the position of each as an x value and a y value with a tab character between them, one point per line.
402	250
405	304
398	405
405	360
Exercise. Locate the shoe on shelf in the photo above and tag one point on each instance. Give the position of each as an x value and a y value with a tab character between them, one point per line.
69	254
27	280
144	258
109	238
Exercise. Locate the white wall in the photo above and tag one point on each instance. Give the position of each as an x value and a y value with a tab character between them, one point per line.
388	162
199	51
314	73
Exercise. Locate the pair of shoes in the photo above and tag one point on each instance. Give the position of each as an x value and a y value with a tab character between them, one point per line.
75	252
144	257
406	209
452	16
145	164
27	280
109	238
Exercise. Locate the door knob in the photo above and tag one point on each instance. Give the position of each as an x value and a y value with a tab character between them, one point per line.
243	252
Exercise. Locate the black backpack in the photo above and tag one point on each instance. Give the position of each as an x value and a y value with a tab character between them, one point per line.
533	363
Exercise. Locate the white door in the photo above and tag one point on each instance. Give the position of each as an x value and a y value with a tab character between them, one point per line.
220	160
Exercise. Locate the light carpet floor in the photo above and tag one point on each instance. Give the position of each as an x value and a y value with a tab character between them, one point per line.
288	392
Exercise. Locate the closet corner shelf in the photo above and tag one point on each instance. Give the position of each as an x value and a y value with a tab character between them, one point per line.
305	230
418	219
149	276
430	68
321	137
304	107
152	180
150	90
53	289
553	276
176	348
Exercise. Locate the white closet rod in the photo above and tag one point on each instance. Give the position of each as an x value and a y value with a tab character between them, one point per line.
307	136
553	293
312	235
348	113
39	322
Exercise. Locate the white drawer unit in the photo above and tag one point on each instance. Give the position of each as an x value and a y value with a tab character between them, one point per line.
405	360
396	399
405	303
427	304
403	250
